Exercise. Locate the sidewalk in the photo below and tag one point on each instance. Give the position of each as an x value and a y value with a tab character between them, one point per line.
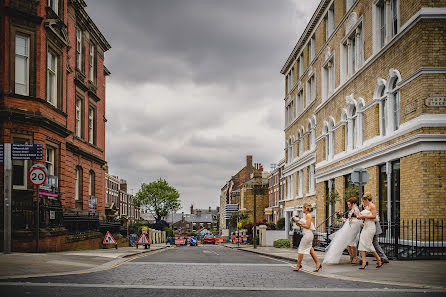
420	273
43	264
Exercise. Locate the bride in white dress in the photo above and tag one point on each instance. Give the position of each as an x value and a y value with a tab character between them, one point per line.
368	231
346	237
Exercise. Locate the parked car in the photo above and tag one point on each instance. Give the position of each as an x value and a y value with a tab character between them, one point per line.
209	239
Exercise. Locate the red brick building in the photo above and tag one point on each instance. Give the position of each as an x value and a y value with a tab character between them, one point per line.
52	79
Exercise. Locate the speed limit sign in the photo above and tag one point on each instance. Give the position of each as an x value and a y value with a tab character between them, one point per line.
37	175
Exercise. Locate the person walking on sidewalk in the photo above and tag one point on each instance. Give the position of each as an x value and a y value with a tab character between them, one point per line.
305	246
368	231
376	245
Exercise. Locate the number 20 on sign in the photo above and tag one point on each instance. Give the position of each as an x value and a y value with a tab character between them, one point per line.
37	176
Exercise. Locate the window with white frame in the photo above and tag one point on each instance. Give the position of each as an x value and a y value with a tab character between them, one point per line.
79	53
326	140
52	78
301	143
301	65
311	179
394	6
348	4
300	186
300	102
91	125
49	160
386	20
381	21
21	64
331	139
312	137
396	105
54	4
79	117
92	65
329	22
312	49
328	77
383	110
311	89
78	184
352	53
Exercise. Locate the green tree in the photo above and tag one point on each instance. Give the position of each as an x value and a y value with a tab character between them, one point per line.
158	198
233	219
281	223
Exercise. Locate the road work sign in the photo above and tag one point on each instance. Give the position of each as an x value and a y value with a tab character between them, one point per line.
143	239
108	239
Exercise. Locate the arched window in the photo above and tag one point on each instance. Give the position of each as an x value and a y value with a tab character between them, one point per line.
91	183
327	140
331	142
78	184
301	142
344	119
396	105
354	118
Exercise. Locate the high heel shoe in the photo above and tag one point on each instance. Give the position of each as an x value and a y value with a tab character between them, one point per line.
363	267
297	269
380	264
320	268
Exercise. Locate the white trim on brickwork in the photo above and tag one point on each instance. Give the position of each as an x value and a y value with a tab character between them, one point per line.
423	121
423	13
406	147
307	159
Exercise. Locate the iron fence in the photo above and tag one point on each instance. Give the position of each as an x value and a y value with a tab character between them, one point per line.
414	239
23	214
76	223
401	239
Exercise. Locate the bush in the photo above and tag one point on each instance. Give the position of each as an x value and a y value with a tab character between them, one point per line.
281	224
282	243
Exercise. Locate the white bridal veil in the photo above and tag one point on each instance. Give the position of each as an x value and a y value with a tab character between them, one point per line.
340	239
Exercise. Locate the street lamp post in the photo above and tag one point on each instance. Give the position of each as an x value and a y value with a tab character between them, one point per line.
254	235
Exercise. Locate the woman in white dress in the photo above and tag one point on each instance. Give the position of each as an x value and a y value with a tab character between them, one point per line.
306	243
368	231
346	237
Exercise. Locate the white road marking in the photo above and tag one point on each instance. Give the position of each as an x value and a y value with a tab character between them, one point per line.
203	264
139	286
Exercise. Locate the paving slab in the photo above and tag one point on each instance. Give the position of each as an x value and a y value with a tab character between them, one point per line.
26	264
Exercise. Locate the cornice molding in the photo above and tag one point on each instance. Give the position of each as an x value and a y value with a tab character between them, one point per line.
77	150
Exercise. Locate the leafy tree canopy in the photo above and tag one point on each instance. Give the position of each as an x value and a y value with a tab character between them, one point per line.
158	198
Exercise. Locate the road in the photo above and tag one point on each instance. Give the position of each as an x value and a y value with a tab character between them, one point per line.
201	271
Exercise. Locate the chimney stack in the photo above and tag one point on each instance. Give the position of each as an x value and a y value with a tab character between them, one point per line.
191	209
249	160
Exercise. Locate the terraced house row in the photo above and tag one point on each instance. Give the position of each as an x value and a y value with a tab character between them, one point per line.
365	86
52	93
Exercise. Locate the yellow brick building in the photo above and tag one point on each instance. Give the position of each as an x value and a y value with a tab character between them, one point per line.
365	86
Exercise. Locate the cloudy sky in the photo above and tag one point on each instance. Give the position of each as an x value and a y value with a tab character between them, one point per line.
195	87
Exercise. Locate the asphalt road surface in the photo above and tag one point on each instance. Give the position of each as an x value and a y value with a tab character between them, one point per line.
201	271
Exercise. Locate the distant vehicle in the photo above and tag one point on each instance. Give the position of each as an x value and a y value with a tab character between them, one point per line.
209	239
193	241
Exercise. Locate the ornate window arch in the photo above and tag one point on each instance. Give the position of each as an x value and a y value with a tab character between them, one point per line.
345	123
380	95
360	121
301	141
352	115
394	100
331	138
326	138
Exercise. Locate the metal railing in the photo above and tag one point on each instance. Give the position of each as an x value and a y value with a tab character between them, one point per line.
401	239
323	231
414	239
